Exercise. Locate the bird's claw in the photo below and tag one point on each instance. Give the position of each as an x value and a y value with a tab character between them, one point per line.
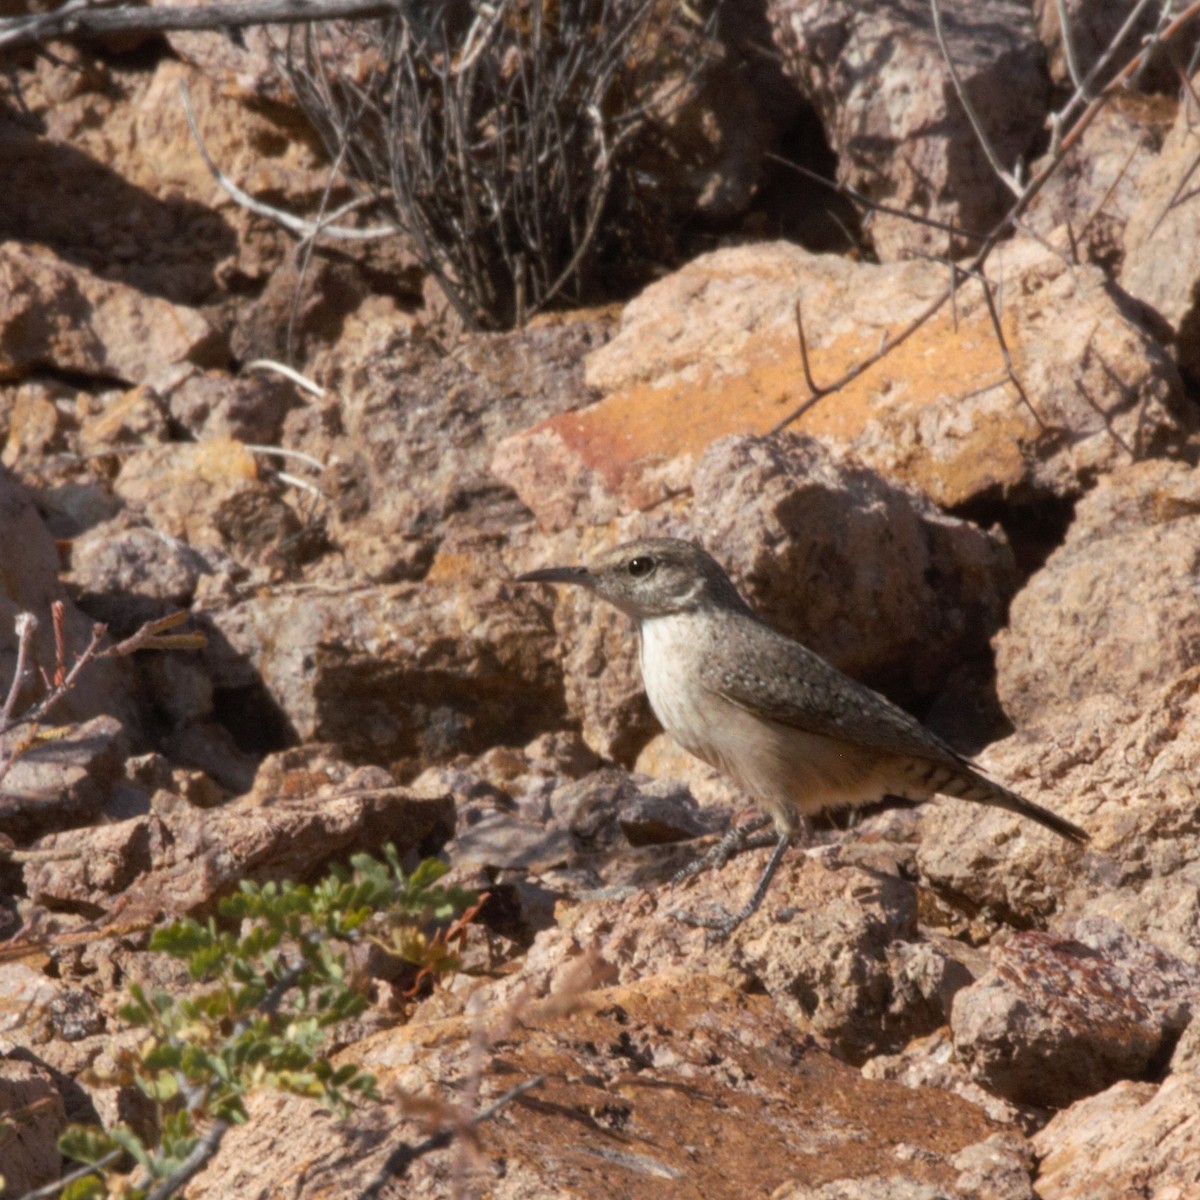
720	925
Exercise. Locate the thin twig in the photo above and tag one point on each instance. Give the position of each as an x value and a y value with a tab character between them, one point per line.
25	627
396	1164
298	225
1064	29
301	381
1006	177
886	347
1002	342
34	715
51	1190
1082	92
1031	190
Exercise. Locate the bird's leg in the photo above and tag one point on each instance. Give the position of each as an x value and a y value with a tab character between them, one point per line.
723	923
737	839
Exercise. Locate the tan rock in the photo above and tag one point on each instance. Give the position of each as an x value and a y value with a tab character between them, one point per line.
63	317
1186	1055
1099	184
646	1087
31	1101
1123	771
136	417
1162	246
408	474
836	949
930	1062
1114	609
181	859
208	494
410	672
1134	1138
711	350
35	425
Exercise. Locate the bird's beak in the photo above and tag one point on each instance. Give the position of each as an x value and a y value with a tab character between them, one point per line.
579	575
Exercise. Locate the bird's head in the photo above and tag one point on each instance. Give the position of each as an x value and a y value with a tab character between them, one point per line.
653	577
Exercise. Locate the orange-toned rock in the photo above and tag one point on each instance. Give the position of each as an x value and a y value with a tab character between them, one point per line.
651	1089
712	350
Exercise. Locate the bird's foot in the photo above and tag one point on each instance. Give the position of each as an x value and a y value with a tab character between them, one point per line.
737	839
722	925
719	925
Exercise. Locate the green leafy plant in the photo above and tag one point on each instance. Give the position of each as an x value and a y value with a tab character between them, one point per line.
271	980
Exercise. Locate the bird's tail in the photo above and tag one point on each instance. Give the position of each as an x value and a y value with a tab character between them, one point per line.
961	780
985	791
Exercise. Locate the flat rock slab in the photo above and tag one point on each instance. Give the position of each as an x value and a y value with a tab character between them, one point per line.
180	859
712	350
653	1090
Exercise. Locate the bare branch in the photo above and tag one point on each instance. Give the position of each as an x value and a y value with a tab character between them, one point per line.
397	1163
497	144
26	626
1005	176
888	345
1064	28
1002	342
297	225
82	22
1022	202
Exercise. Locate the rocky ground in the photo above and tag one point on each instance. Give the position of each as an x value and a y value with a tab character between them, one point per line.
934	1002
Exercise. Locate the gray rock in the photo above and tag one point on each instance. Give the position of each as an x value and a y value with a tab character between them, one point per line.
63	782
879	80
1114	609
247	409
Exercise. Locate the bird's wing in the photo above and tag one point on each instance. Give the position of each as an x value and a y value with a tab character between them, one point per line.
780	679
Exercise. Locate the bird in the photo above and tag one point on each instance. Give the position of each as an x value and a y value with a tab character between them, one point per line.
788	728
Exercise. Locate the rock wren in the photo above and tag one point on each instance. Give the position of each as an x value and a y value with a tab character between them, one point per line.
788	728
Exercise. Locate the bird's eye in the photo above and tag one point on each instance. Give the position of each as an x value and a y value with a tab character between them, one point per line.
641	566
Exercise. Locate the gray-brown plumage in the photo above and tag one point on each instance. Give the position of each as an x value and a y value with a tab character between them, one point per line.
792	731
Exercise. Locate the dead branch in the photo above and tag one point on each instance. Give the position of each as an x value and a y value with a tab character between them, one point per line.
306	230
495	136
1010	180
77	21
1020	205
396	1164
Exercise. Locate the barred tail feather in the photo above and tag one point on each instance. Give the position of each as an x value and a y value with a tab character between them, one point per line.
984	791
